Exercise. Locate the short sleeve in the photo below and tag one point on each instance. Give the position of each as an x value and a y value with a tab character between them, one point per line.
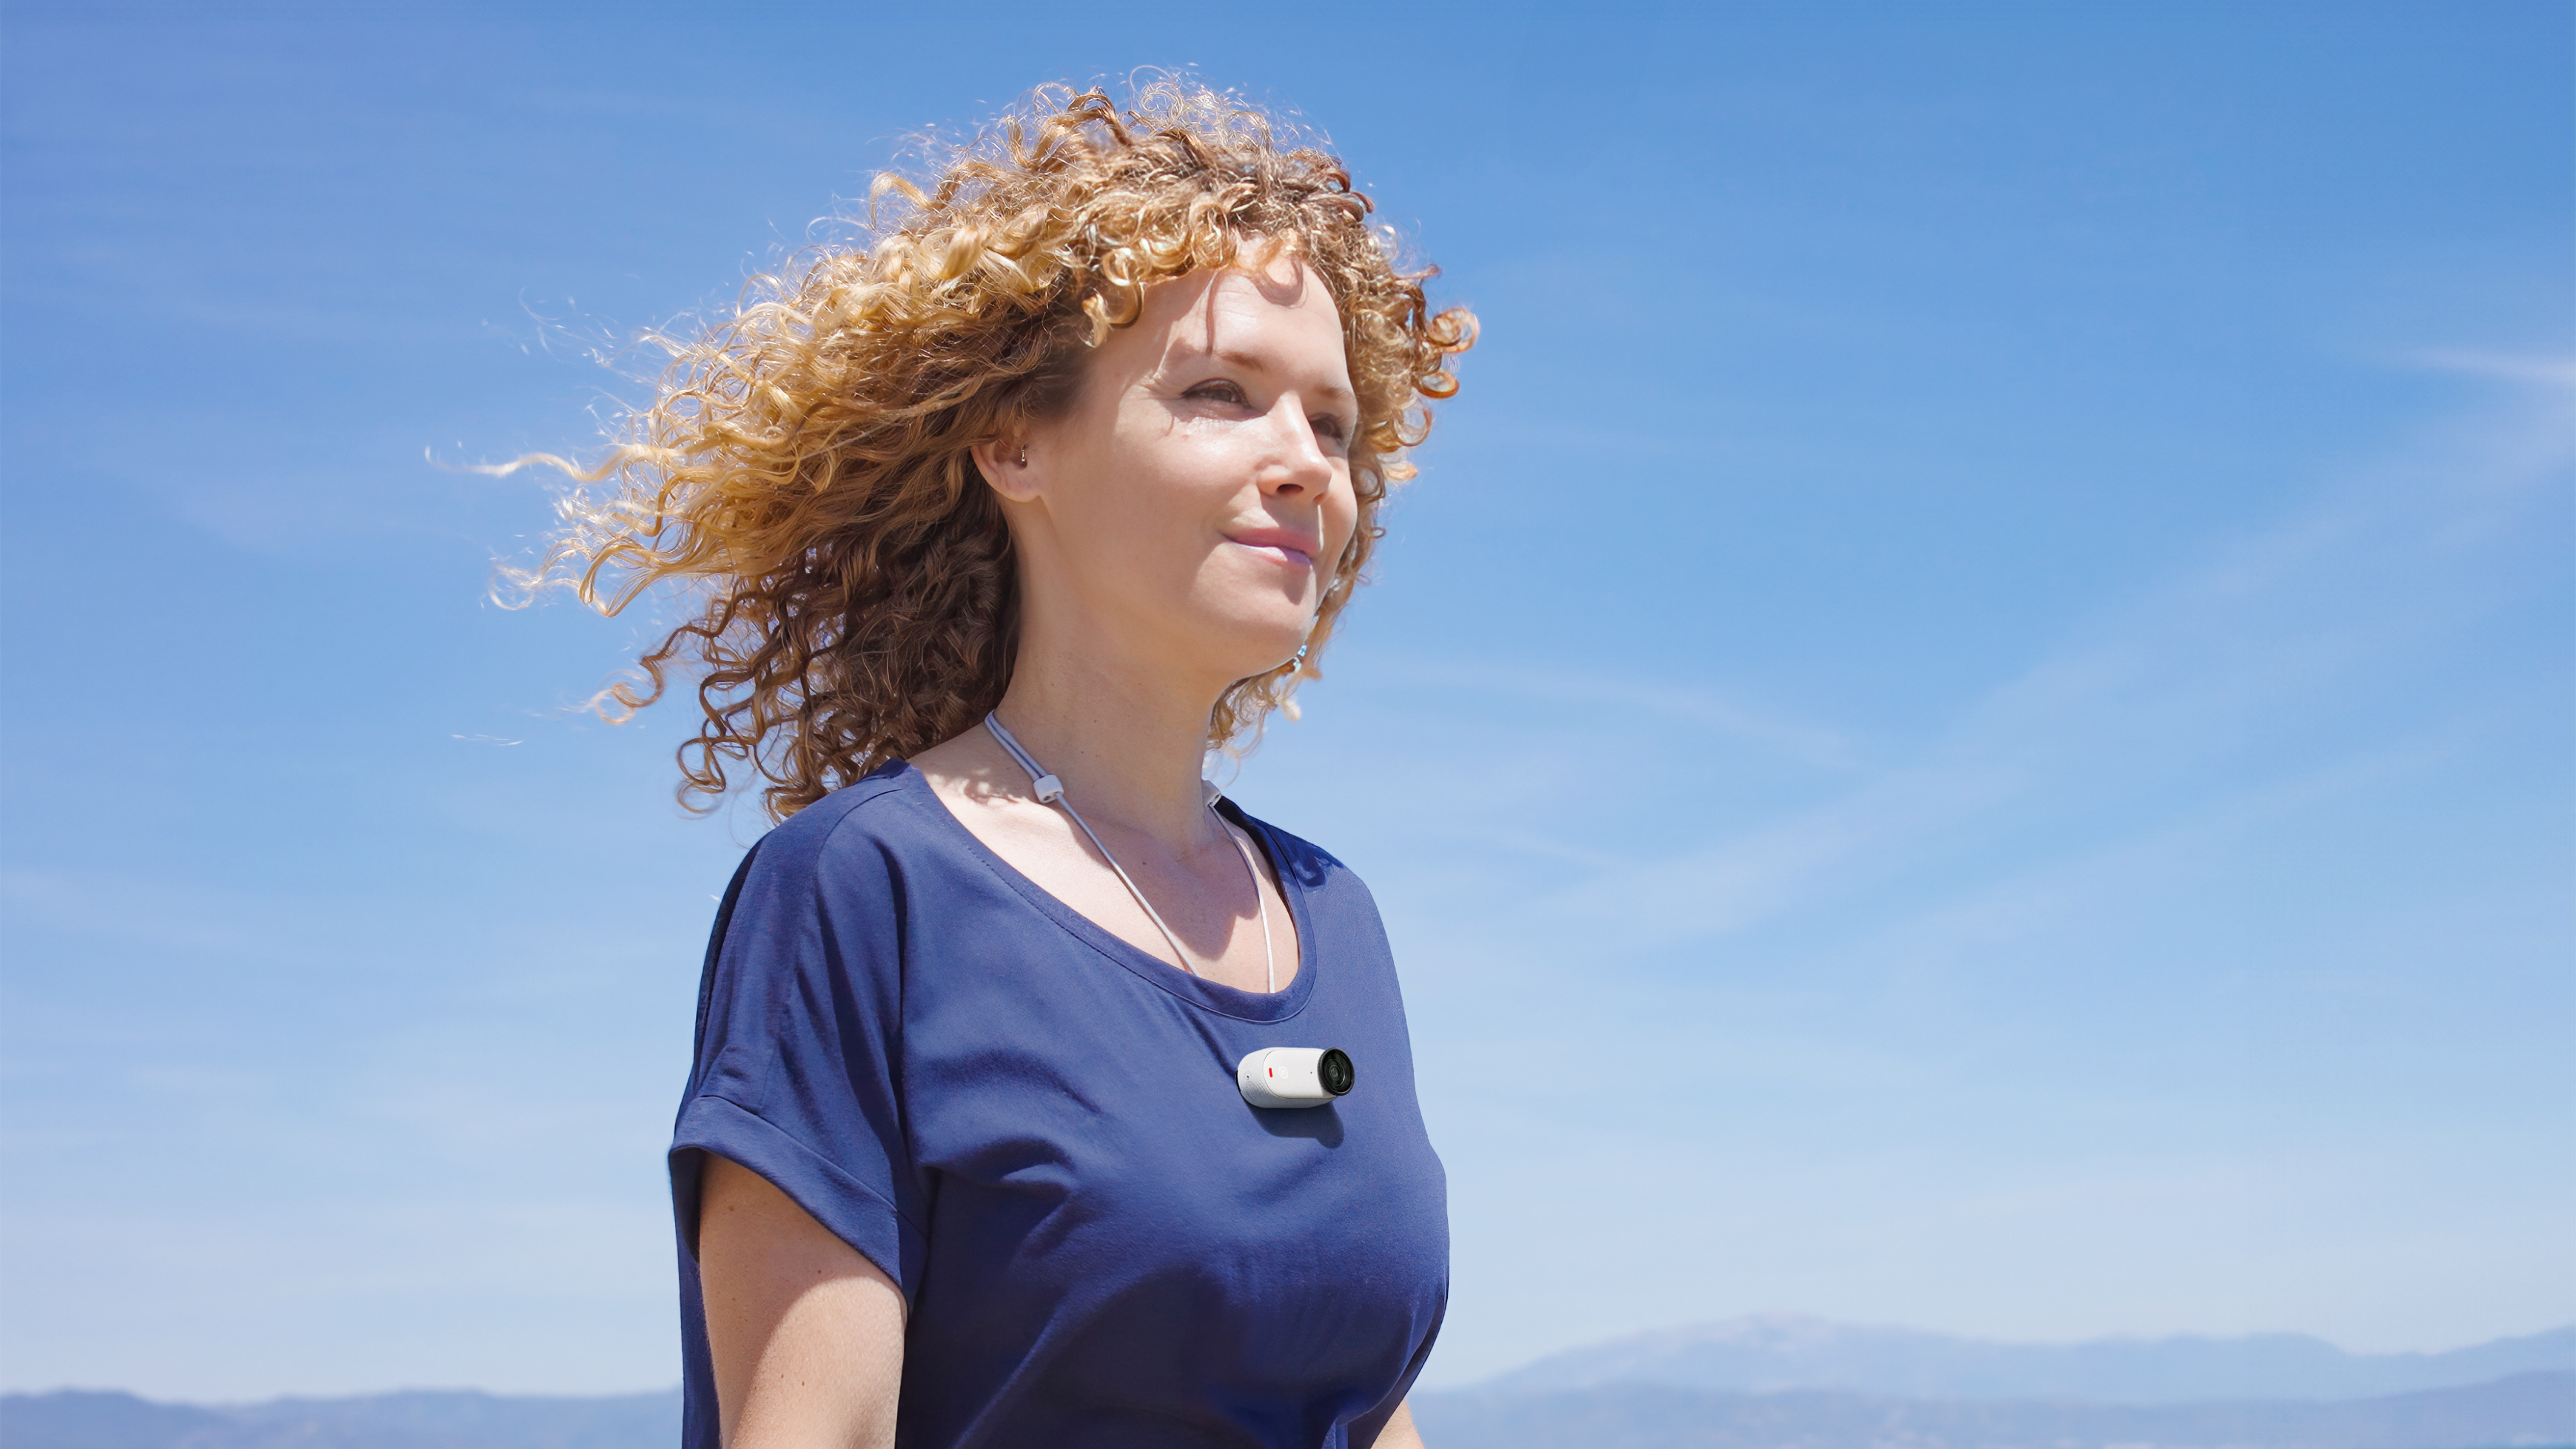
797	1066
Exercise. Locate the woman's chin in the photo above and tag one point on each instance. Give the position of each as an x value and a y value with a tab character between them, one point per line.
1245	657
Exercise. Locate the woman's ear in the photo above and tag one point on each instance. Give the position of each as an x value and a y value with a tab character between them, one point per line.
1004	462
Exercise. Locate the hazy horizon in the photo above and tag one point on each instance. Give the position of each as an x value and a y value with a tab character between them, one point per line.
1504	1373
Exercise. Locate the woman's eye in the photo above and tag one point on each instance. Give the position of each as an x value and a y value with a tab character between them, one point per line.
1224	392
1328	426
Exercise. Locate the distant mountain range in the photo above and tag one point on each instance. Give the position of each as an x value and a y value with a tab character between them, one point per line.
1761	1383
1782	1352
74	1419
2529	1409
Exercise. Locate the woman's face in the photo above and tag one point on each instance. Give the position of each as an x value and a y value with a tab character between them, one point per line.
1188	508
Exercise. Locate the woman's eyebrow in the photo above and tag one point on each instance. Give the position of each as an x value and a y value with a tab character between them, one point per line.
1255	362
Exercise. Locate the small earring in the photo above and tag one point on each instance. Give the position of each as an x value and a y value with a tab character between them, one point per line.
1024	455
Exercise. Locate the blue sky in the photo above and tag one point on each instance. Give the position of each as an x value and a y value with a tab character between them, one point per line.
1984	666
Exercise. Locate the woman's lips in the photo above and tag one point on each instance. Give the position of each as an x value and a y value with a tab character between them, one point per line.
1292	548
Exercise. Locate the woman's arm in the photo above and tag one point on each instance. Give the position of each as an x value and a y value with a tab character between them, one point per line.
1399	1432
807	1335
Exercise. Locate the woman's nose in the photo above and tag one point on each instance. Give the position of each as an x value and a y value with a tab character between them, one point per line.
1302	464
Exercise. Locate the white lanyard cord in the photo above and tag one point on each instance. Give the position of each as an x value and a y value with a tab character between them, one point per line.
1050	791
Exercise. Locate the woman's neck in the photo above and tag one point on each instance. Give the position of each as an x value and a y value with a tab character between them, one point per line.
1128	746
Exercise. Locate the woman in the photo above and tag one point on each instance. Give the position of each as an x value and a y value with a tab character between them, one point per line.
1002	525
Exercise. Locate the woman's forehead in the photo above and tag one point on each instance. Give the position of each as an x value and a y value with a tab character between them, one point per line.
1280	318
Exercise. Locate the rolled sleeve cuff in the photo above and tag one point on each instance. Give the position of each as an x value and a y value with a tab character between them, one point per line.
849	1209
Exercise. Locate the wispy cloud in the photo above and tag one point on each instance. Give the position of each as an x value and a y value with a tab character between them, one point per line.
2537	369
1713	711
2221	683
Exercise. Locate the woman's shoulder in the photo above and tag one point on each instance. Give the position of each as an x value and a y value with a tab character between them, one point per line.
877	815
1317	870
841	859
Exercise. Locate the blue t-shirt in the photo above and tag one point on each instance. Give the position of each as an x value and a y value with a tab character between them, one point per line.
1034	1129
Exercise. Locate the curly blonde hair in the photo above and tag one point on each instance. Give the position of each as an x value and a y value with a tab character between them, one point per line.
803	468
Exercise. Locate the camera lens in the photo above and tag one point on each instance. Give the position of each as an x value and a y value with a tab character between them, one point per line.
1334	1071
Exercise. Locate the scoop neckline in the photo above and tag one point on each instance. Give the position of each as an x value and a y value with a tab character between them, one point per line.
1197	990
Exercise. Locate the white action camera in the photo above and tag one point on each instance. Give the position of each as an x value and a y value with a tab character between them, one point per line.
1293	1076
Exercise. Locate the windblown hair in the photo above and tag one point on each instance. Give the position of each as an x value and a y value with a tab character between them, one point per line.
803	471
